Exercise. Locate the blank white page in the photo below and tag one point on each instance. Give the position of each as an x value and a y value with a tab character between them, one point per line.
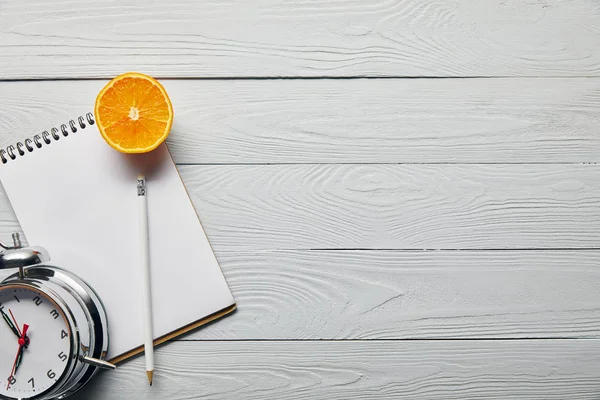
77	197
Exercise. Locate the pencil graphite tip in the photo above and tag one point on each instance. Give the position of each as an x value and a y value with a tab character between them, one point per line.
150	376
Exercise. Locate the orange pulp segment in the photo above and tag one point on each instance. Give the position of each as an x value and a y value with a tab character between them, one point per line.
134	113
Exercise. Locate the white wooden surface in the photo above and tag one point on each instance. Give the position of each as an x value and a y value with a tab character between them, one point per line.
342	370
265	38
324	121
384	238
430	207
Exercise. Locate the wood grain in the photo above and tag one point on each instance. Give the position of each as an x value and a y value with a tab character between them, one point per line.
237	38
397	206
566	369
410	295
316	252
341	121
279	207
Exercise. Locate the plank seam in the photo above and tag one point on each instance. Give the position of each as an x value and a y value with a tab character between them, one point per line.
312	78
498	339
393	163
543	249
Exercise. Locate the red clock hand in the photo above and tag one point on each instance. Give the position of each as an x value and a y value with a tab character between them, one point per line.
23	338
18	330
22	342
15	321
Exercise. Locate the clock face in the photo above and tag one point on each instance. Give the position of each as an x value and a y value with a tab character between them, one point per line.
35	342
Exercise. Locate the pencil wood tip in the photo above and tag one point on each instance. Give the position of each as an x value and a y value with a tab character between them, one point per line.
150	376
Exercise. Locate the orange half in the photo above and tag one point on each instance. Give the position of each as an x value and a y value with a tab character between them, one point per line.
134	113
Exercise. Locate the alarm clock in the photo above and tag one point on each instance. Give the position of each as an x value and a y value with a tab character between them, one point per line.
53	327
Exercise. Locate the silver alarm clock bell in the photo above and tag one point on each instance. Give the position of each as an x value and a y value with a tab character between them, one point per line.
53	321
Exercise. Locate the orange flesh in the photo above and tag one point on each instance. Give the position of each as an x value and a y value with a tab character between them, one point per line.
134	113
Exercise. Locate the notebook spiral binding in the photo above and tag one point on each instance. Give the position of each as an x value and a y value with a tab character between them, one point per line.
45	137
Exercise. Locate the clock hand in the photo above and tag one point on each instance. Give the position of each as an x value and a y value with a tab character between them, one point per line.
15	321
12	326
17	325
22	341
18	360
12	372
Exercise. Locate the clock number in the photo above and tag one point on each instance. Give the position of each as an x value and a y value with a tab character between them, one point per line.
54	313
62	356
32	383
63	334
37	300
12	380
51	374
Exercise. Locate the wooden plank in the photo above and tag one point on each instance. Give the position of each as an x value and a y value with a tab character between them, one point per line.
397	206
291	207
410	295
186	38
340	121
553	369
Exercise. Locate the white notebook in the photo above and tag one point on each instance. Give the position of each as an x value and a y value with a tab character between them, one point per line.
76	197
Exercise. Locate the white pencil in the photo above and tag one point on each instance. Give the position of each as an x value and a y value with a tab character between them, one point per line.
145	265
